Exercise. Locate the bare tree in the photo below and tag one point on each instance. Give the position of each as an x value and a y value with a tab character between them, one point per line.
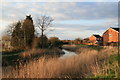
10	28
43	23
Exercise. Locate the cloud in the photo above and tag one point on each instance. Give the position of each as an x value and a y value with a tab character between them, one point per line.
62	11
60	0
93	12
72	31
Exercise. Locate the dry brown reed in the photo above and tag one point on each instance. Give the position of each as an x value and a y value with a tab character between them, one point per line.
85	64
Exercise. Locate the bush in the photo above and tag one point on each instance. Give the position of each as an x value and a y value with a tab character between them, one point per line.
55	42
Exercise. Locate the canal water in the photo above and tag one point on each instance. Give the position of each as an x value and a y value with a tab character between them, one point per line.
68	54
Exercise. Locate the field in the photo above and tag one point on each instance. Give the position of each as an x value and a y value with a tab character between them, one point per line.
89	63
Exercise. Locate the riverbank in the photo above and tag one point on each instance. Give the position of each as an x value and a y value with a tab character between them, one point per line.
74	48
21	57
87	64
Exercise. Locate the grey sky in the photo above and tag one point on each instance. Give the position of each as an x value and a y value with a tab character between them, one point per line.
71	19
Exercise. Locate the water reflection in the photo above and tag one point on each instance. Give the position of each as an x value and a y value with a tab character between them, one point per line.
68	54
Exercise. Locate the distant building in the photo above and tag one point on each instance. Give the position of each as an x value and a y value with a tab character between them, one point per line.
85	41
111	37
95	40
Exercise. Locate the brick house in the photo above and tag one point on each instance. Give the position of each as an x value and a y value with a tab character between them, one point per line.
95	40
85	41
110	37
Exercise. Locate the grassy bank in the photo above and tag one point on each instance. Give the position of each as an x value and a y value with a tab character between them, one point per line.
75	48
88	64
22	57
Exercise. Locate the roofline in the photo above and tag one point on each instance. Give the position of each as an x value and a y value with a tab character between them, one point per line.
116	30
112	29
106	31
95	34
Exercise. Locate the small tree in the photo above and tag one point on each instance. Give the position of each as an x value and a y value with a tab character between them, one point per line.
17	36
43	23
54	42
22	33
45	41
28	30
78	40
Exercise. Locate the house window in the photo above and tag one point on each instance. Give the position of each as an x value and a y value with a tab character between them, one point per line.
97	38
110	35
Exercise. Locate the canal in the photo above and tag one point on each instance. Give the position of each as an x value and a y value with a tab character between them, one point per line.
67	54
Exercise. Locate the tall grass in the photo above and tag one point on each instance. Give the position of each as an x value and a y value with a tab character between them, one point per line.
41	52
89	63
14	58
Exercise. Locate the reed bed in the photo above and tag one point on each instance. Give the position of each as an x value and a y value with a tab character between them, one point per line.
89	63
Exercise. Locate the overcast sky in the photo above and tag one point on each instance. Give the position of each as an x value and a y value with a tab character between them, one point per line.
71	19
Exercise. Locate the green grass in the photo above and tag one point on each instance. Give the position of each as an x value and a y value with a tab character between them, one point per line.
104	76
98	48
111	68
113	58
82	45
90	46
75	48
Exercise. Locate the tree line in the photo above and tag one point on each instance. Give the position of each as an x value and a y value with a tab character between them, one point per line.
23	34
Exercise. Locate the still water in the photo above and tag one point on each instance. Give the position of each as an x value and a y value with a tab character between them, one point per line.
68	54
